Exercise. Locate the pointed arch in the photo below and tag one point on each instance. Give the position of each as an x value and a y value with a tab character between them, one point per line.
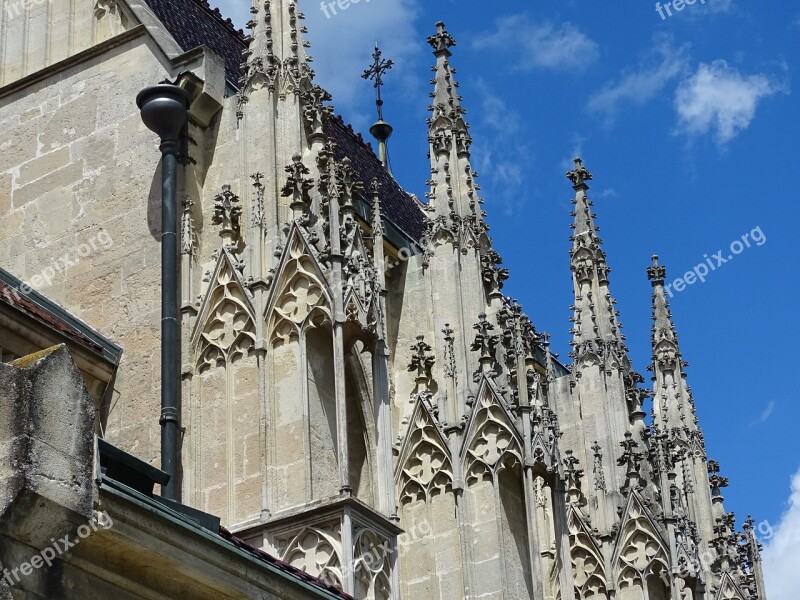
440	120
300	296
587	560
424	468
641	553
492	442
728	589
225	326
372	565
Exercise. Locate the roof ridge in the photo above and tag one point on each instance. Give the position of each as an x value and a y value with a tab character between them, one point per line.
194	23
226	22
397	206
356	135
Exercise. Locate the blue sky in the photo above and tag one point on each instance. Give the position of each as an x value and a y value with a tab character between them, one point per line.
690	126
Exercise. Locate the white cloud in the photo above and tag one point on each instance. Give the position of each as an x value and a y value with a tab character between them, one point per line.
782	551
663	63
719	6
765	414
540	44
503	172
719	99
342	45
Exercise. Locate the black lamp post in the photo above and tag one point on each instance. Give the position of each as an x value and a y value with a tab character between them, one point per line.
164	110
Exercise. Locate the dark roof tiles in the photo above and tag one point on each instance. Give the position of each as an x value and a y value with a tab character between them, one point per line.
396	205
194	23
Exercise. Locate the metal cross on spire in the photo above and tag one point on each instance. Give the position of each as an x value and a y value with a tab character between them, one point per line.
376	71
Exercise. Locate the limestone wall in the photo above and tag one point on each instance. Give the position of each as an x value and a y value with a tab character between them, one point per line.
80	215
38	33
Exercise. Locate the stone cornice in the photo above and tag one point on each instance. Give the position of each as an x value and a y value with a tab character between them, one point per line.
72	61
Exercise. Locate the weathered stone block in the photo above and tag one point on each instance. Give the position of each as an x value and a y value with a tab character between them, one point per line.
5	193
43	166
18	145
70	122
46	446
57	180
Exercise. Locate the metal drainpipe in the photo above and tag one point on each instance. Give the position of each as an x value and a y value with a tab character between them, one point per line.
164	110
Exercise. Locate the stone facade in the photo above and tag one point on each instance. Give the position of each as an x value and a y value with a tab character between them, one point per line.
69	530
359	398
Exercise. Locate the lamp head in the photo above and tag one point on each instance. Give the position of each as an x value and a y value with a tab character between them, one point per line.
164	109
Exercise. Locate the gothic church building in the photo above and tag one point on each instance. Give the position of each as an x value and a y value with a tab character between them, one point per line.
359	399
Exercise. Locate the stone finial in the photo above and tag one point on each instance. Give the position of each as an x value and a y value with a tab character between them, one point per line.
297	186
449	352
656	273
441	41
715	480
349	186
573	476
726	541
258	202
753	546
632	460
493	275
377	218
599	477
579	176
315	112
227	212
421	362
484	342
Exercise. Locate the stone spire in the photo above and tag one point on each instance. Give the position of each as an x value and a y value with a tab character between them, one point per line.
466	277
603	380
281	117
454	193
596	329
696	482
276	55
673	405
674	419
